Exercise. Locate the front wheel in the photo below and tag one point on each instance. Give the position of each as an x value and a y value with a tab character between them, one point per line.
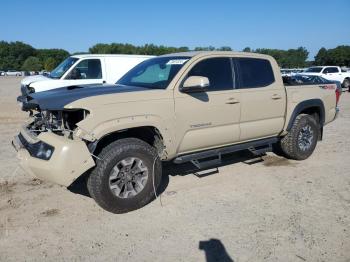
301	140
127	173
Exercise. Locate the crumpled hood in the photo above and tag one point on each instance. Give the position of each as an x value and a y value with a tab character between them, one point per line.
31	79
57	99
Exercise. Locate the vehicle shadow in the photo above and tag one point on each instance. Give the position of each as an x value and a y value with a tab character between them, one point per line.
214	251
171	169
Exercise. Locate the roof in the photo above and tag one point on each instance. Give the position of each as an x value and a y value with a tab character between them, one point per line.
188	54
110	55
206	53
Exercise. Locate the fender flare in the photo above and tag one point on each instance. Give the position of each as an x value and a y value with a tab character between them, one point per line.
305	105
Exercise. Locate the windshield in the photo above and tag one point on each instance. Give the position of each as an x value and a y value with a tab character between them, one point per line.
313	70
59	71
154	73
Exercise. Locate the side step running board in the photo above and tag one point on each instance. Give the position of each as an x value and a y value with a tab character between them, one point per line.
257	151
202	159
205	163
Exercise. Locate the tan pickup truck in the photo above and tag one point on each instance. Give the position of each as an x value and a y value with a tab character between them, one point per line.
185	107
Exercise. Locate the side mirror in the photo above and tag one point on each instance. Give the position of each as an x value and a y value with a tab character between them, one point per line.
325	73
195	84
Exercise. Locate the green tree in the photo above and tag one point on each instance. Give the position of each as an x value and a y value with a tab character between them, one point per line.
290	58
13	54
32	64
147	49
339	56
208	48
247	49
50	64
225	48
322	57
58	55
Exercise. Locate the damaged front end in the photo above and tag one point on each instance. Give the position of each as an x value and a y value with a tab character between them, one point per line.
48	113
48	149
61	122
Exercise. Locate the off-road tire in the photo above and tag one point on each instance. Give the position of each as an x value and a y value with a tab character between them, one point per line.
346	84
98	181
290	143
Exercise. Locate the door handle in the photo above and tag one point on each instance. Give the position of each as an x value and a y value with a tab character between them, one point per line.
275	97
232	101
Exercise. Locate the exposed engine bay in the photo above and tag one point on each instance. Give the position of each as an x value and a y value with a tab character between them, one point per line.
60	122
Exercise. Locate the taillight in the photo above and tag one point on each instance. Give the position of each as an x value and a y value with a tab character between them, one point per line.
337	95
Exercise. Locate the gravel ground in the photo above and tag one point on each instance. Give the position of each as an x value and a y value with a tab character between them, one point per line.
270	210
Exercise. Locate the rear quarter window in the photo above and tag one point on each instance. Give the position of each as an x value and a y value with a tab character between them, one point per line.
254	72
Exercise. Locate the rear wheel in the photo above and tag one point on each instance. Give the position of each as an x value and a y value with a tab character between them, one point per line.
301	140
346	84
122	180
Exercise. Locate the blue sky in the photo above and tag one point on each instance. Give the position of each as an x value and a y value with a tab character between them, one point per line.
77	25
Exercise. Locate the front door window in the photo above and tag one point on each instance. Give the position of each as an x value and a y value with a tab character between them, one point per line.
87	69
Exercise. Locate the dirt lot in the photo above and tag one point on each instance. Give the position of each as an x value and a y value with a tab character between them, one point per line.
273	210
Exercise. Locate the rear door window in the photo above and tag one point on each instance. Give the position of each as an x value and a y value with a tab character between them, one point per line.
217	70
254	72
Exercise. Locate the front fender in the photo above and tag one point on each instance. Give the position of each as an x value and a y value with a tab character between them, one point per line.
123	123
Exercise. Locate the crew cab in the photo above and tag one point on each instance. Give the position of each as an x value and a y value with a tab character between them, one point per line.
81	70
334	73
184	107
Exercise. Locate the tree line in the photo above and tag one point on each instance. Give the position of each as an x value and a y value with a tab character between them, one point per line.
339	56
291	58
21	56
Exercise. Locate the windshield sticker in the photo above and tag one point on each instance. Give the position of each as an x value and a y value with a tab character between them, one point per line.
177	61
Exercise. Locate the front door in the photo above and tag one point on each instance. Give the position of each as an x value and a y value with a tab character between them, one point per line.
332	73
210	118
87	71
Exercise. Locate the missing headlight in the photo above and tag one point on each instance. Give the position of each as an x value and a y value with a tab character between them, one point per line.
59	122
72	117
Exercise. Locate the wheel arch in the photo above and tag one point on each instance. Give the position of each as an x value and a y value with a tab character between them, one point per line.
148	134
311	107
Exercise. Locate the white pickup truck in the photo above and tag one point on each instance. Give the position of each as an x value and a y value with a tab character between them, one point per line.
333	73
82	70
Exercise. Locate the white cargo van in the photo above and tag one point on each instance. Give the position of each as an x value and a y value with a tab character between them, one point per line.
81	70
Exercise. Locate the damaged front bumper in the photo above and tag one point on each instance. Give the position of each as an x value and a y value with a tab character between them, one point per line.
69	159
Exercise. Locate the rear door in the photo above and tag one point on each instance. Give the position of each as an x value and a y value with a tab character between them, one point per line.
208	119
263	98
